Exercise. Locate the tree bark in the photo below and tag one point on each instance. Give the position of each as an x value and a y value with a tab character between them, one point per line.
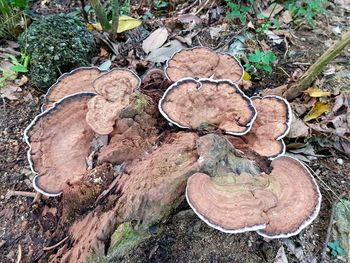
312	73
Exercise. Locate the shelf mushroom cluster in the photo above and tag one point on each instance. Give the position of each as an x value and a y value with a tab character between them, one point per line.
204	96
79	105
233	194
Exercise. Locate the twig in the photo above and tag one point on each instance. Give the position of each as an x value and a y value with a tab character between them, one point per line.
285	72
320	179
37	197
188	8
19	256
11	193
329	229
56	245
201	8
302	63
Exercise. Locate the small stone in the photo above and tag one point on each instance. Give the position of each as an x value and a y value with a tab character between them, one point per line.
340	161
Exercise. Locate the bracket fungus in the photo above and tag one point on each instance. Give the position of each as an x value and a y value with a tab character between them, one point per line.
205	104
276	204
272	123
59	141
79	80
114	90
202	62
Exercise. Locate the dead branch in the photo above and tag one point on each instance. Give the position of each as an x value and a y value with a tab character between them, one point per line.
312	73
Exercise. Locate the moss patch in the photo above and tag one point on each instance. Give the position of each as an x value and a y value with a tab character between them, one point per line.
56	44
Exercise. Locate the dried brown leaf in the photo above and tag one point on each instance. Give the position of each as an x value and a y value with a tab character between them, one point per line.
155	40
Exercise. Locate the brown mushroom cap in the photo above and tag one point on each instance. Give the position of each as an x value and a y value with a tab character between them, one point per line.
203	63
79	80
278	204
102	114
204	103
59	141
299	198
229	203
114	90
270	126
117	83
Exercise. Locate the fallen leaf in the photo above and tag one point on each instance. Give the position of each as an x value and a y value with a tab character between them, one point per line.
275	91
105	65
164	53
22	81
317	111
281	256
298	128
246	76
125	23
272	10
155	40
275	39
317	92
9	92
189	18
286	17
128	23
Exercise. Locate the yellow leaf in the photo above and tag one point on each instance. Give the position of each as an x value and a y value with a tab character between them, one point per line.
127	23
90	27
246	76
316	92
318	109
96	26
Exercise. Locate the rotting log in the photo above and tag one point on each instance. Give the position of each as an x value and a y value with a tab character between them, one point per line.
311	74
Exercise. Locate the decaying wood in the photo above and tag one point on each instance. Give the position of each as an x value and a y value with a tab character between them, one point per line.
311	74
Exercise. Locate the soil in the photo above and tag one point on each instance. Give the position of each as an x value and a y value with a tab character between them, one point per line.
26	227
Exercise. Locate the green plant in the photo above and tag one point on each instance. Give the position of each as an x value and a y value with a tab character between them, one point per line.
56	44
12	18
101	16
307	9
261	60
267	24
239	11
336	249
20	66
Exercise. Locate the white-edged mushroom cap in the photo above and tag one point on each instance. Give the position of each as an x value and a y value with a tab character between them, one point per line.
79	80
274	116
59	141
205	103
114	84
200	62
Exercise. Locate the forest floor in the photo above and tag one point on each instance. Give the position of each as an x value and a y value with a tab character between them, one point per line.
26	226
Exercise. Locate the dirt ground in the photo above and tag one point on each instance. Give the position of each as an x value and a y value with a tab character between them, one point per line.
26	227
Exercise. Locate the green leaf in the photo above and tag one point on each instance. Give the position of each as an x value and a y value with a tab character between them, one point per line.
267	68
254	58
20	3
19	68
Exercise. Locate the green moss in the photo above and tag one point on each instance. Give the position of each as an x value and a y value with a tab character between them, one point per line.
140	102
56	44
